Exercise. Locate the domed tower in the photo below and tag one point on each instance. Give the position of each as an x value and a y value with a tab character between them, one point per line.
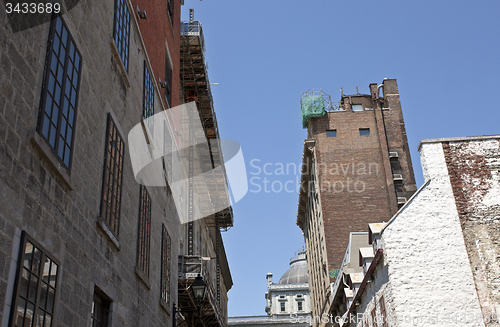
291	294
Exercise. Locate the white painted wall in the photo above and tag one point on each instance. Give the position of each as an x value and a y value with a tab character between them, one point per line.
425	274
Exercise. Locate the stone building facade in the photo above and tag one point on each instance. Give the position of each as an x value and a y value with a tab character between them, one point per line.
82	242
436	261
357	170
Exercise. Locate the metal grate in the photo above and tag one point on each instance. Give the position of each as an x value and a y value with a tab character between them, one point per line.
144	237
112	178
60	92
121	30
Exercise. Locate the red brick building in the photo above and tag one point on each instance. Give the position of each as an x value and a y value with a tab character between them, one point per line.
356	170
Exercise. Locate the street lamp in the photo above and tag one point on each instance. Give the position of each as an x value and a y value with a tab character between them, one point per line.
198	286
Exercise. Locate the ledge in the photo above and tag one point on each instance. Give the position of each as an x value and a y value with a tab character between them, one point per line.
108	233
143	277
164	305
43	148
116	54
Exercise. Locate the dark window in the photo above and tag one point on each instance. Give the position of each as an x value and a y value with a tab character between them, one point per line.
112	177
168	80
299	305
165	265
60	90
282	306
33	302
148	99
100	310
171	10
121	30
364	132
149	94
331	133
144	236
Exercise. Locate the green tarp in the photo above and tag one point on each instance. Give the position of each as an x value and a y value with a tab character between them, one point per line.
312	106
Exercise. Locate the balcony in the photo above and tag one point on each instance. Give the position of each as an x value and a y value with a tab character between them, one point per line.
190	266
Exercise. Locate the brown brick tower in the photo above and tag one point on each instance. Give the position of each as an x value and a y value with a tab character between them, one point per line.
356	170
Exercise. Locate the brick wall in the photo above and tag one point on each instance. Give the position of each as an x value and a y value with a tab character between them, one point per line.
158	31
474	169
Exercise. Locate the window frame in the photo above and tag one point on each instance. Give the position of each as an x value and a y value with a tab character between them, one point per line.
116	33
41	121
373	316
144	235
282	306
25	238
105	303
383	311
107	175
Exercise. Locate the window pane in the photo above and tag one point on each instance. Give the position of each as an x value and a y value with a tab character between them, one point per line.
21	306
33	288
357	107
332	133
23	286
364	132
28	255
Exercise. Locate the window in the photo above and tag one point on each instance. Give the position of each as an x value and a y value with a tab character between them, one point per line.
100	310
36	284
364	132
299	305
144	236
149	94
168	80
373	315
170	10
383	313
299	295
282	304
60	90
282	296
165	265
357	107
148	107
112	177
121	30
331	133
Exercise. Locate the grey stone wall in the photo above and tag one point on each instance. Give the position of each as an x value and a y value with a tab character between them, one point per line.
35	197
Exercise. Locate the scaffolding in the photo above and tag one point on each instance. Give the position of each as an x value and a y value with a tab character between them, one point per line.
195	86
316	103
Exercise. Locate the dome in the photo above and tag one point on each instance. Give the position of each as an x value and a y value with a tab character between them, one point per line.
297	273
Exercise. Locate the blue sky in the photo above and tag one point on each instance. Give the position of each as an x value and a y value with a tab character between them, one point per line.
445	56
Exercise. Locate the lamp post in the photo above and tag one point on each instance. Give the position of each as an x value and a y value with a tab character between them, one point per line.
199	287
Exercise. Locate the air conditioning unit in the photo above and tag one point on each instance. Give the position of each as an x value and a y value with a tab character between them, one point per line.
401	200
397	177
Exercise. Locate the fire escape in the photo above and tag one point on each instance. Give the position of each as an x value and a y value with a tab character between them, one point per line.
196	87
